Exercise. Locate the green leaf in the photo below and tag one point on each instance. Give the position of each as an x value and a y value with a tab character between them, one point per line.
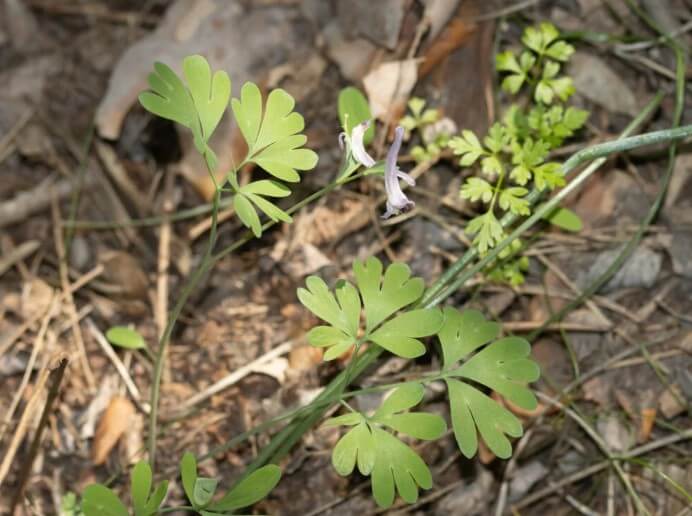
548	175
357	446
487	229
510	199
210	94
285	157
507	62
203	491
505	367
156	498
496	139
343	315
248	111
273	138
400	399
420	425
199	106
98	500
125	337
253	193
463	333
267	188
188	474
247	214
140	486
467	146
533	39
471	409
564	218
249	490
354	109
349	419
416	105
399	335
492	166
560	51
384	295
169	98
575	118
397	466
513	83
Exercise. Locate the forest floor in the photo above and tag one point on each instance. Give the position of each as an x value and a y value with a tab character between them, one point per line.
104	215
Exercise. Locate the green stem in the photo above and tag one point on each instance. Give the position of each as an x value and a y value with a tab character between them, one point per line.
207	263
189	287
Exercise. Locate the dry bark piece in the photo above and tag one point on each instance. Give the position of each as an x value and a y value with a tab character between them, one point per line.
114	422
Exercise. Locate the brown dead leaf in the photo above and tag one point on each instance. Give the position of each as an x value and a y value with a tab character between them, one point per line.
648	418
388	87
114	422
330	223
36	296
125	273
304	358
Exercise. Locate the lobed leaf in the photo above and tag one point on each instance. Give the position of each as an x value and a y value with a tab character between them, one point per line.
505	367
397	468
470	410
253	488
399	335
463	333
384	295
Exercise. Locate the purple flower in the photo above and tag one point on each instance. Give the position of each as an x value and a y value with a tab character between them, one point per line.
357	148
397	201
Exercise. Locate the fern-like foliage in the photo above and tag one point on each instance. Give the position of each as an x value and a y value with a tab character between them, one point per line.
515	153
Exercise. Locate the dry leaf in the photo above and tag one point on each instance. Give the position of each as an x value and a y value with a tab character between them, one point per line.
36	296
304	358
389	85
124	271
114	422
648	418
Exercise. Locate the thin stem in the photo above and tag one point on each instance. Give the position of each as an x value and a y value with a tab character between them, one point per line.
207	263
189	287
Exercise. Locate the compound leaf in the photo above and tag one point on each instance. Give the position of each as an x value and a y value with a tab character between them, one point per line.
468	147
476	189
